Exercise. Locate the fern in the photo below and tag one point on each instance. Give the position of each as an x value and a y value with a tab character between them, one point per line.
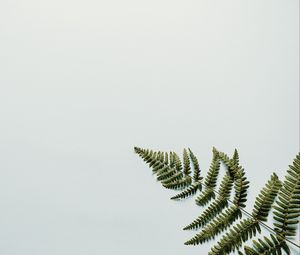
210	181
217	217
226	218
219	224
287	209
216	207
186	163
196	167
248	227
179	184
286	214
268	246
188	192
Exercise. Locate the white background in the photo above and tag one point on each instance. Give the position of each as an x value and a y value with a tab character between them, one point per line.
83	82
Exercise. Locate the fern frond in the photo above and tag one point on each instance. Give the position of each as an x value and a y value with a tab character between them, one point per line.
235	158
231	164
205	196
268	247
236	236
171	159
159	167
219	224
189	191
265	199
179	184
196	167
166	158
177	162
246	228
150	157
213	209
212	175
226	218
161	156
186	163
216	207
210	181
241	186
169	172
287	208
177	176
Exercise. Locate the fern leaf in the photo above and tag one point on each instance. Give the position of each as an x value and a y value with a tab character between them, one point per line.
177	162
219	224
169	172
287	208
231	164
177	176
235	158
166	158
196	167
268	247
236	236
189	191
265	199
247	228
216	207
226	218
212	175
241	186
179	184
186	163
205	196
210	181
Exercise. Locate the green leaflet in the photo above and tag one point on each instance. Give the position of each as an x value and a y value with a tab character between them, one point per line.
265	199
287	208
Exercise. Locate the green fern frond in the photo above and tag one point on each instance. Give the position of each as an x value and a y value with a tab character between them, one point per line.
186	163
233	239
196	176
205	196
217	206
235	157
246	228
177	176
177	162
265	199
189	191
287	208
268	247
171	159
241	186
226	218
210	181
218	225
174	174
212	175
231	164
179	184
161	156
167	173
166	158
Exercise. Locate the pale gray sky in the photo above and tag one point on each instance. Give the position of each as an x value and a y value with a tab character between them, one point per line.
82	82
